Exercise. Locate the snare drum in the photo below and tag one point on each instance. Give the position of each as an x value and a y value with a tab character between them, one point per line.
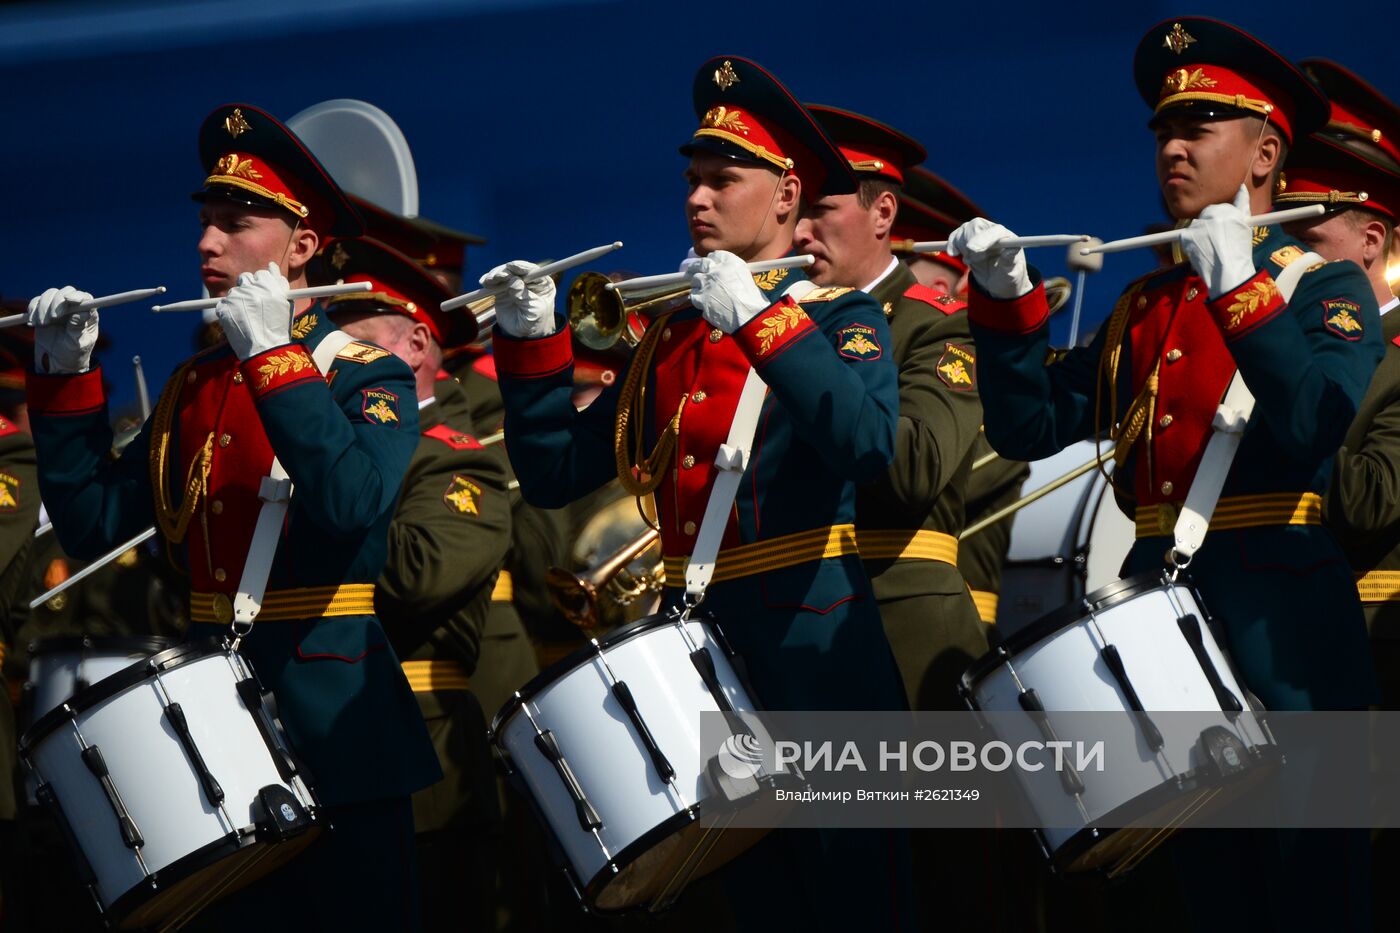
60	667
606	746
172	783
1141	645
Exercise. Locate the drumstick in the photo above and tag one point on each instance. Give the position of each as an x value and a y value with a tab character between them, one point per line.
93	567
1171	236
93	304
542	272
315	291
1013	242
681	278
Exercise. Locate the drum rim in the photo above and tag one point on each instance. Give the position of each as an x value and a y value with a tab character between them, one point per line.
1100	599
134	673
577	658
144	644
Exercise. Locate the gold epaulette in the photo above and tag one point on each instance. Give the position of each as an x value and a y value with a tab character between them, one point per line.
825	294
357	352
175	521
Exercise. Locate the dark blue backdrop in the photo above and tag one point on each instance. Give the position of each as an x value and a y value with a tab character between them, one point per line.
552	126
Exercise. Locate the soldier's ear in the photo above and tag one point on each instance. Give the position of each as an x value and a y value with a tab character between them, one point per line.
305	242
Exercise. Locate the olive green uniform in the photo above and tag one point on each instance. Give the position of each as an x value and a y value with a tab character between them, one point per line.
907	524
981	557
446	543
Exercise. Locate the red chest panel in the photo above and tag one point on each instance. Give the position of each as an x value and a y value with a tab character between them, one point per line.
710	375
1170	329
212	402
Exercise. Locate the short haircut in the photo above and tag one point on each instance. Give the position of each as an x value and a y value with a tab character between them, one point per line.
1359	217
871	188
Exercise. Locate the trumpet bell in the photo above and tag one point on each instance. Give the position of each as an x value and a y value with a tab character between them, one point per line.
596	314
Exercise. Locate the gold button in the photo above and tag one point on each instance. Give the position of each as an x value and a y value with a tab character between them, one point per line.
190	376
715	335
223	609
698	397
238	379
1173	356
1164	421
688	461
1192	292
1142	301
220	575
225	440
1167	488
217	506
666	334
690	528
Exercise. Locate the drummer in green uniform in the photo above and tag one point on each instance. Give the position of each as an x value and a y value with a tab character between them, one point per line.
448	538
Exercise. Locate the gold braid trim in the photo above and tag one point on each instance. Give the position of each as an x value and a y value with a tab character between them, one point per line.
1125	433
640	476
173	523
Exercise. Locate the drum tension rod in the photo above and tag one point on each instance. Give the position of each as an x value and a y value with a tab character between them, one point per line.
1191	628
1030	702
623	693
175	715
588	818
131	836
251	694
1114	660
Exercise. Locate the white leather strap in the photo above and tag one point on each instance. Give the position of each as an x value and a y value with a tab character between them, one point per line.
1228	428
275	491
731	460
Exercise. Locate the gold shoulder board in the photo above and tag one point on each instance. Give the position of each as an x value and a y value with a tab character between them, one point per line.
825	294
357	352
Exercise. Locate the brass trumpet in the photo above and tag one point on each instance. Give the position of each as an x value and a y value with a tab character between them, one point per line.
599	316
578	596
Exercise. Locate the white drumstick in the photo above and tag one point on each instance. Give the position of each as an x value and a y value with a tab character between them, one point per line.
544	271
93	304
1014	242
681	278
315	291
1171	236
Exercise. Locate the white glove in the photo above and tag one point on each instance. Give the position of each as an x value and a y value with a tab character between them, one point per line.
523	308
256	314
63	335
724	291
1000	272
1220	245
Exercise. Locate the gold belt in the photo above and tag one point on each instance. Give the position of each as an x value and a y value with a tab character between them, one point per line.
1274	508
908	544
1379	586
312	602
427	676
746	560
986	602
504	590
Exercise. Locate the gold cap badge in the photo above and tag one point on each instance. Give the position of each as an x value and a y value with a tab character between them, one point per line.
725	76
236	124
1178	39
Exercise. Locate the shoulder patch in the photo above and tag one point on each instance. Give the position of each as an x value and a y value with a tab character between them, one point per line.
357	352
1396	340
858	342
770	280
9	492
957	367
454	439
935	299
1342	317
1285	255
485	365
825	294
380	406
303	326
462	496
8	427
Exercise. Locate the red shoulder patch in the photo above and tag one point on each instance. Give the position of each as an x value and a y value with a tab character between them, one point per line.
453	438
485	365
7	427
930	296
1396	340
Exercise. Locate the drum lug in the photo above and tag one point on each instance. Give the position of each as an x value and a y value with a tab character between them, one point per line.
549	747
251	693
175	715
623	694
131	834
1191	630
1111	656
1030	702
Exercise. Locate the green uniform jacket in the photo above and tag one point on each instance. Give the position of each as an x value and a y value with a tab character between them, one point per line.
1363	506
19	514
930	619
1283	594
345	439
982	556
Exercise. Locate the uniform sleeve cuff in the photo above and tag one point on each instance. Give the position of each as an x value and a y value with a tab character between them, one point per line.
1241	310
532	358
66	393
773	330
275	370
1022	315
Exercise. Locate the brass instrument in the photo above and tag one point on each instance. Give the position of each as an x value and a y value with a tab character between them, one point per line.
599	315
577	595
623	576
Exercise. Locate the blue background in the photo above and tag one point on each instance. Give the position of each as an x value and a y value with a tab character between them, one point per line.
549	127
